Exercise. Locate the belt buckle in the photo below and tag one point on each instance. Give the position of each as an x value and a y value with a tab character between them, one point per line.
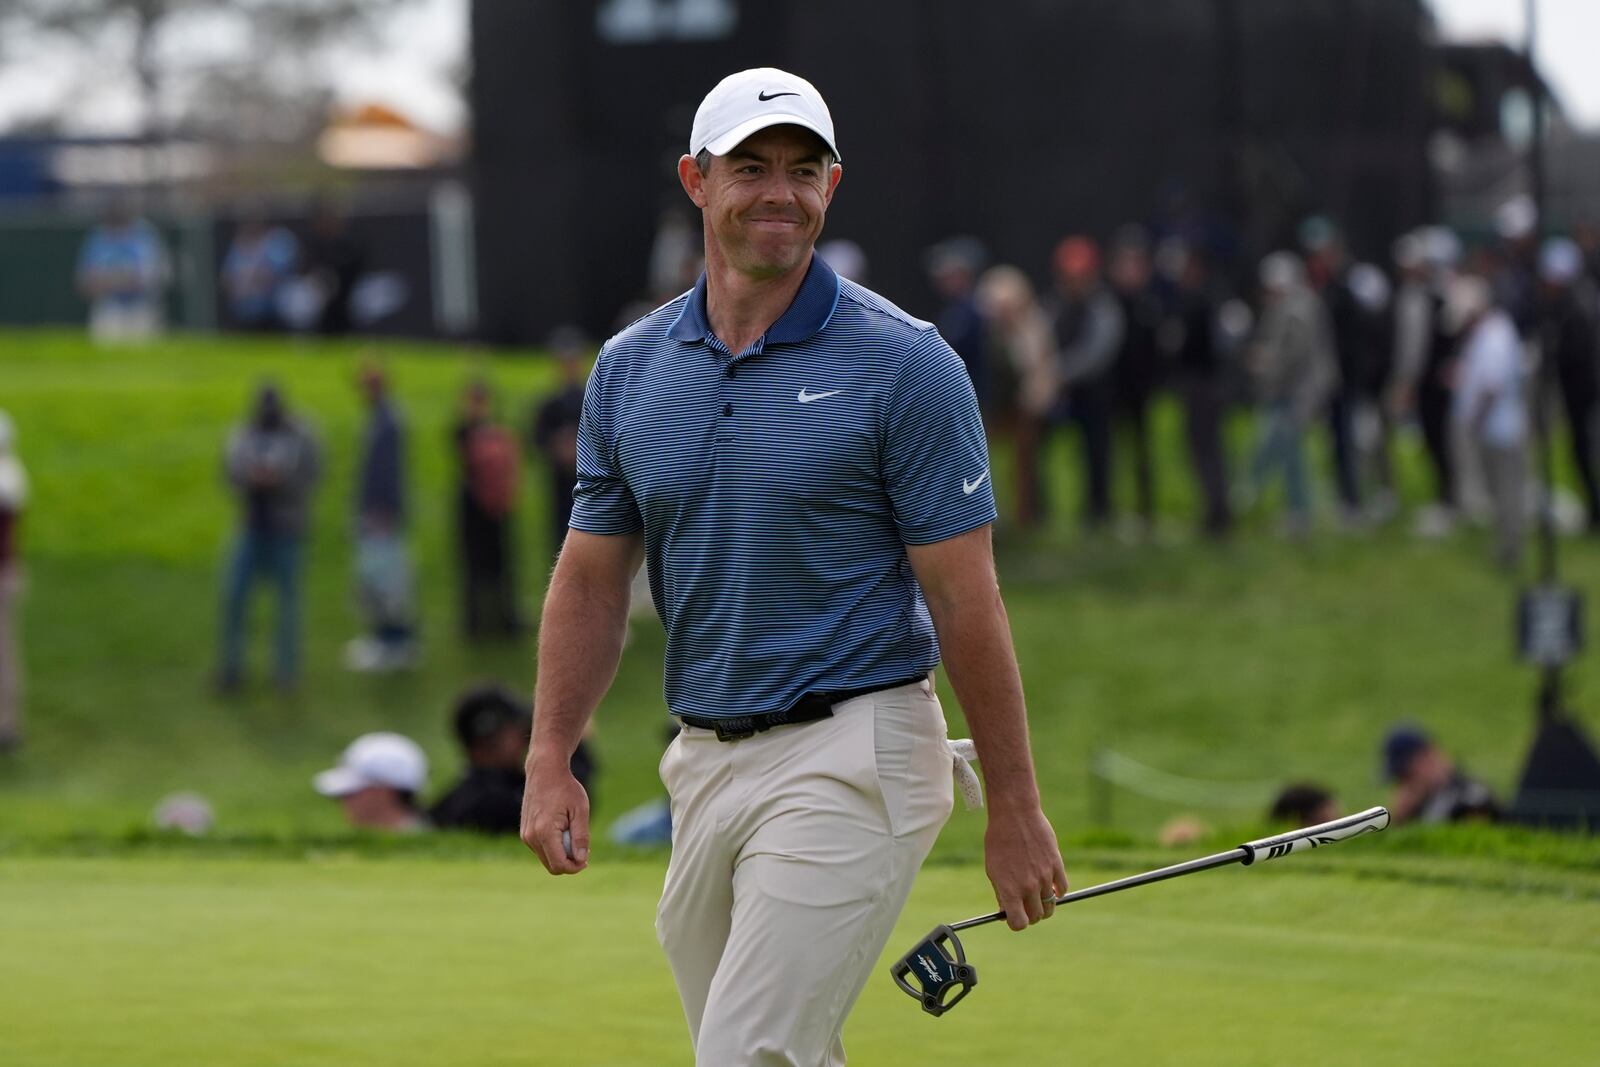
729	732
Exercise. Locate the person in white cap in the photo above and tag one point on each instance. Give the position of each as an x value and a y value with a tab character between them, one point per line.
13	499
803	467
377	782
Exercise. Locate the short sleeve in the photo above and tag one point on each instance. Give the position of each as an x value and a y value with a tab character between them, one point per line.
601	500
935	456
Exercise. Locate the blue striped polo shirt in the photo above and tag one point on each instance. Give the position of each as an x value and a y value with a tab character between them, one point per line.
778	487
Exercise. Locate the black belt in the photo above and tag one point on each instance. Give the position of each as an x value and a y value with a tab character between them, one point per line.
809	708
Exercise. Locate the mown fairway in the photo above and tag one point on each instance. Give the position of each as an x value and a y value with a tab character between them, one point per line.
287	941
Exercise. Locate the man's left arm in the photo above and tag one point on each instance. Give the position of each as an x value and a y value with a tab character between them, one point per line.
1021	855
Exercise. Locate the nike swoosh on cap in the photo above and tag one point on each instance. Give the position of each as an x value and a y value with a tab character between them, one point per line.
773	96
971	487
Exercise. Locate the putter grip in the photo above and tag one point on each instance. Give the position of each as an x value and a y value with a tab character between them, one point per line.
1270	848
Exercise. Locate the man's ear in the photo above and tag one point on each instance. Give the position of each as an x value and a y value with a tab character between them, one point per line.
835	173
693	182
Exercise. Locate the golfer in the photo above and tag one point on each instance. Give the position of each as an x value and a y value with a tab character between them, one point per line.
802	466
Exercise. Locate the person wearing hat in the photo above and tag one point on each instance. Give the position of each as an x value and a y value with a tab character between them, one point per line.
493	727
1428	786
803	467
953	266
377	782
13	499
1567	336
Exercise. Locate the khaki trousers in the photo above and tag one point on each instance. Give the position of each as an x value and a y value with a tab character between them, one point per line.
793	852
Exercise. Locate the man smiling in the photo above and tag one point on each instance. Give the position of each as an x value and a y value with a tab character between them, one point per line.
803	466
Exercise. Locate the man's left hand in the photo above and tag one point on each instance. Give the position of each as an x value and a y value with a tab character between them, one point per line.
1024	865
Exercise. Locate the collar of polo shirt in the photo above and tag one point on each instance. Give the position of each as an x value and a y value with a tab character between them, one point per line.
808	312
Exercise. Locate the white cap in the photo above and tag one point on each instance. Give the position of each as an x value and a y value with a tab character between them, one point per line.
751	100
1516	218
383	759
1370	287
1560	261
1282	271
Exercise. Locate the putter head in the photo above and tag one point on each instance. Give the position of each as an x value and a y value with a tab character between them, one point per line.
939	966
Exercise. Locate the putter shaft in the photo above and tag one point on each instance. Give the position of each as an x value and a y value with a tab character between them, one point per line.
1267	848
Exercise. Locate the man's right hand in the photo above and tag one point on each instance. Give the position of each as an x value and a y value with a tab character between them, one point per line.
553	803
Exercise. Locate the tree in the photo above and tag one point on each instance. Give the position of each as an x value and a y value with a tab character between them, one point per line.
251	68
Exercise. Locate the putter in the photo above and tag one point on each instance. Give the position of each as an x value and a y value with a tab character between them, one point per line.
939	963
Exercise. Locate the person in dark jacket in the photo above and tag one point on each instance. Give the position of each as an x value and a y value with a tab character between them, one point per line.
1328	270
1088	333
335	259
1136	374
1568	337
553	430
1189	337
385	585
493	727
953	268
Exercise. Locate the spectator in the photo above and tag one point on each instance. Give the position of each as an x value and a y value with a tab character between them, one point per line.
1568	339
847	259
1512	280
1428	786
1413	352
1586	233
486	454
377	782
1370	426
1295	371
1489	414
553	430
13	499
259	262
649	823
385	583
1435	397
1303	804
272	464
953	267
334	261
1088	325
1328	271
1136	372
122	271
1023	348
493	728
1189	335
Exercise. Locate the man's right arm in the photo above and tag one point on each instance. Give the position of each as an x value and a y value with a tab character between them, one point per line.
580	643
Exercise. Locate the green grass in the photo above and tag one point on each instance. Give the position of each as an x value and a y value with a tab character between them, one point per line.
334	960
283	939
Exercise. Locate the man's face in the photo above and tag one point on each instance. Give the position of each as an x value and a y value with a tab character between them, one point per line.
764	202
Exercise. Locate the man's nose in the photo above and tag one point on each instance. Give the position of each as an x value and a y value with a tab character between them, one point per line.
777	189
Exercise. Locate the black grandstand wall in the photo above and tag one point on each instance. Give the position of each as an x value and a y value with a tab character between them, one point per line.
1014	120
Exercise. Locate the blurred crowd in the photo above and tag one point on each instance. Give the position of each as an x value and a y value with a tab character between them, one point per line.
1454	342
271	279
